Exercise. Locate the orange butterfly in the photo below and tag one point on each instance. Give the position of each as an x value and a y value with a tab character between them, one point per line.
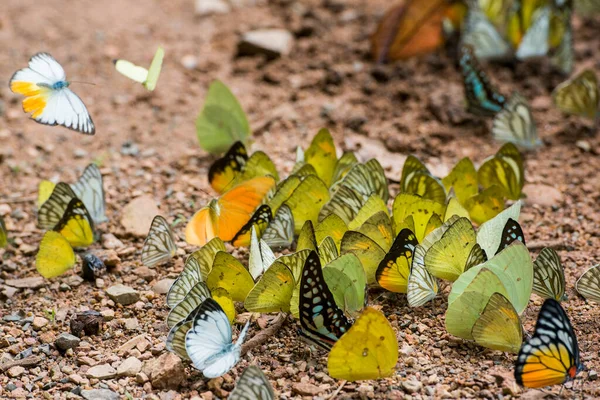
225	216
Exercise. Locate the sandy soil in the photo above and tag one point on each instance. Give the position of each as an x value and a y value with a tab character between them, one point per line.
386	112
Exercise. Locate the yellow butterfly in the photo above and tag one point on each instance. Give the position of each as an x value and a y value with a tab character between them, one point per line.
3	233
579	95
368	350
228	273
321	154
393	271
45	190
505	170
147	77
421	210
55	257
417	179
499	326
76	224
306	201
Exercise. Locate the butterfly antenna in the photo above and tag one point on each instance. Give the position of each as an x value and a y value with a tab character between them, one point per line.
84	83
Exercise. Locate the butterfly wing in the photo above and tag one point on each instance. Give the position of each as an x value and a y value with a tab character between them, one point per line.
3	233
222	173
512	231
90	189
280	232
190	302
483	36
499	326
154	70
549	275
588	285
516	124
55	257
159	246
551	355
422	286
579	95
131	71
252	385
76	224
320	318
261	256
535	40
54	208
259	222
393	271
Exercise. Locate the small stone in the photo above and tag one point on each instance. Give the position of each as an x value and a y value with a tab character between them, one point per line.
592	375
137	216
66	341
209	7
139	342
102	371
306	389
584	145
412	386
131	324
130	367
9	291
110	241
189	62
145	273
39	322
270	42
34	282
110	258
163	286
543	195
99	394
122	294
88	322
15	371
108	314
165	372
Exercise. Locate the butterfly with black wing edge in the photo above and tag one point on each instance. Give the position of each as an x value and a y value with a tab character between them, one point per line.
89	188
393	271
512	231
482	98
48	97
159	246
551	355
54	208
322	321
209	341
252	385
76	224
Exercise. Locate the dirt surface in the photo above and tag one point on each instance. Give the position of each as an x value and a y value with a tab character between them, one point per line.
146	144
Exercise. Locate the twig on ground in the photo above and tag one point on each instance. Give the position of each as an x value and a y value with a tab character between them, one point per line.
262	336
24	362
338	390
19	200
554	244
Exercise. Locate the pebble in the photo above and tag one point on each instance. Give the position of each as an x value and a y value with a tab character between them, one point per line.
122	294
140	342
108	314
209	7
110	241
189	62
543	195
412	386
35	282
165	372
131	324
145	273
39	322
306	389
66	341
130	367
272	43
15	371
99	394
102	371
138	214
163	286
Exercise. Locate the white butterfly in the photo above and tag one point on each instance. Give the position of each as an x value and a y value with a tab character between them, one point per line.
159	246
535	40
89	188
47	96
422	286
516	124
482	35
261	256
209	342
252	385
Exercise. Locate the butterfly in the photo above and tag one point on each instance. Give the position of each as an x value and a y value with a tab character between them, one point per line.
561	37
579	95
493	235
222	121
482	97
346	279
588	285
3	233
261	256
147	77
258	222
321	155
369	350
197	294
516	124
366	249
416	179
549	275
393	271
551	355
55	256
534	43
228	273
320	318
512	231
274	291
420	211
280	231
482	35
252	385
236	167
54	208
45	189
89	188
159	246
225	216
209	341
499	326
76	224
422	286
504	170
307	200
48	97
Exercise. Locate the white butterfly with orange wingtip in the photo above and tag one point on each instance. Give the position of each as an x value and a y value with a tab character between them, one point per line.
48	97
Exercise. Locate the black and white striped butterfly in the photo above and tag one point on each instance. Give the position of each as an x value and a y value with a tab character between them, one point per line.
322	321
549	275
280	232
54	208
252	385
196	296
588	285
551	355
159	246
89	188
48	97
209	342
515	124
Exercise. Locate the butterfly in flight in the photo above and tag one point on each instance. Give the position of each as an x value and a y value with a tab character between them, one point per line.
48	97
551	355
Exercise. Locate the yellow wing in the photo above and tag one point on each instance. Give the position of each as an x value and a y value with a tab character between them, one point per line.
273	292
76	225
579	95
321	155
228	273
369	350
44	192
499	326
55	256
